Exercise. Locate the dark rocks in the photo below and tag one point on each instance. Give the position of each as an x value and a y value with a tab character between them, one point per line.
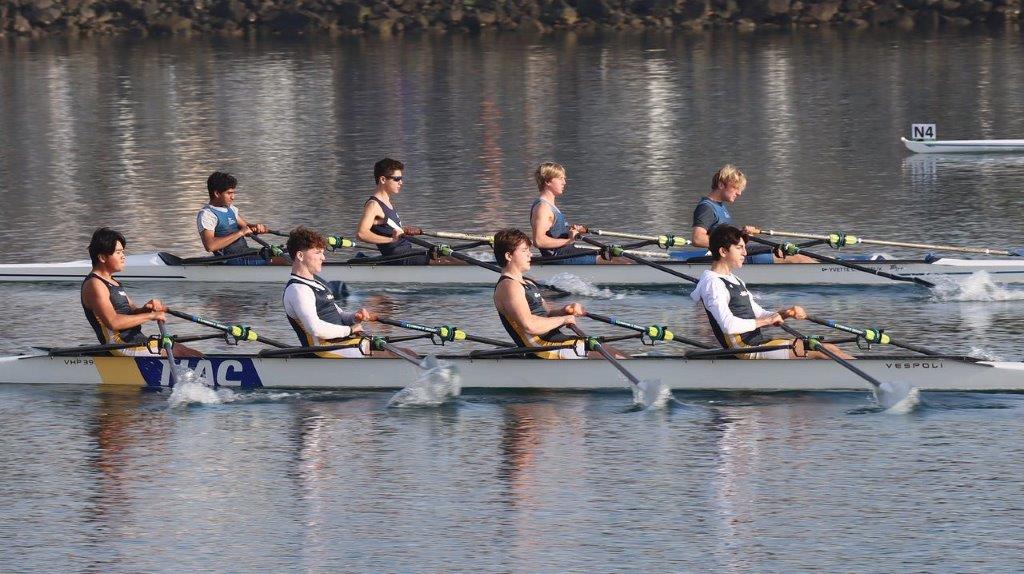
36	18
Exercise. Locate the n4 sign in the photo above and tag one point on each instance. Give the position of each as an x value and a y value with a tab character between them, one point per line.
922	131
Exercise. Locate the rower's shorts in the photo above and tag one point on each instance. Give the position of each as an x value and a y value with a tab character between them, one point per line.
586	257
577	351
360	349
250	260
774	354
133	352
760	255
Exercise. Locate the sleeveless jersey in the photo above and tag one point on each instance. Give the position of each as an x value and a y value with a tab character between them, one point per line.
403	245
119	300
518	332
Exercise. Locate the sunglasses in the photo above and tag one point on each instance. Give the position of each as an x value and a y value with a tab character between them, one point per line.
394	177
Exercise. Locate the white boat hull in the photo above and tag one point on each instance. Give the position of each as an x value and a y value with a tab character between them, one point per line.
964	146
149	267
248	371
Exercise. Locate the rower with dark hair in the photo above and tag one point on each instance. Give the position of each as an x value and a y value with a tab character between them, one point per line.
110	312
735	317
309	303
221	228
527	317
380	224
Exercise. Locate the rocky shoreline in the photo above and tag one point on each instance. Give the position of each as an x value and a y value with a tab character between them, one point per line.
40	18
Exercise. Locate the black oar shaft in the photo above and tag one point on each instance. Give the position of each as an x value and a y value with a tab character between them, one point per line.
821	348
863	332
847	264
437	331
642	329
643	261
607	355
222	327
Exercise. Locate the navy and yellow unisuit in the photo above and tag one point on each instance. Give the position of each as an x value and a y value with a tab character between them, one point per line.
119	300
552	338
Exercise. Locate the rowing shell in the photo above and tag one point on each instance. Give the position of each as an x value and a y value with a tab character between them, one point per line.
251	371
964	146
155	267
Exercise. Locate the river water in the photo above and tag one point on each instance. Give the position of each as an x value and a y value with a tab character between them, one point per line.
124	132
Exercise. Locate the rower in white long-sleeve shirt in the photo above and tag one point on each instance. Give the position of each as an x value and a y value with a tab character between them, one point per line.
310	306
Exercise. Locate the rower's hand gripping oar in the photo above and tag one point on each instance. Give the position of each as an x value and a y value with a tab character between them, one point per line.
840	240
617	251
663	241
888	394
650	333
790	249
237	332
650	392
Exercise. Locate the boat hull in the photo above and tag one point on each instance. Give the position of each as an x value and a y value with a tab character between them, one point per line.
248	371
150	267
964	146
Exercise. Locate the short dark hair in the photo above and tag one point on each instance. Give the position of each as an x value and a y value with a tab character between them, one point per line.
385	167
303	238
723	237
220	181
506	241
104	242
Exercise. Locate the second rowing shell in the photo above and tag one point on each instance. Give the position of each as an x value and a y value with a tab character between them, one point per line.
155	267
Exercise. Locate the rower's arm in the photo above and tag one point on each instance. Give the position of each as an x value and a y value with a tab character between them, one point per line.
212	243
510	299
252	227
541	221
371	211
96	299
700	237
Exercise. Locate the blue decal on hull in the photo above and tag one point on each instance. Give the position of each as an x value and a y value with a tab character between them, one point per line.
233	371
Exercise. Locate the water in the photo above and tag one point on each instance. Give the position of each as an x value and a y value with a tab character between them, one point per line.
124	132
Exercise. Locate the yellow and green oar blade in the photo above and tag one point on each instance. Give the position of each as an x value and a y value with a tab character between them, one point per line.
239	332
838	240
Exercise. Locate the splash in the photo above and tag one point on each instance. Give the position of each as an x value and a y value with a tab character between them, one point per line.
651	394
578	286
438	382
984	354
195	389
897	397
977	286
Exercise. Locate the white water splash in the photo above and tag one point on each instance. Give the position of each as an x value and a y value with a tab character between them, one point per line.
437	383
897	397
194	389
577	286
651	394
977	286
984	354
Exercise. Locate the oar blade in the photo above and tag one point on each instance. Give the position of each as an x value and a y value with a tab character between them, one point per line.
897	397
651	394
437	383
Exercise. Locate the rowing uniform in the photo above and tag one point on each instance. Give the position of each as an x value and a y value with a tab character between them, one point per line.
553	337
400	245
733	315
119	300
317	319
223	221
709	214
560	230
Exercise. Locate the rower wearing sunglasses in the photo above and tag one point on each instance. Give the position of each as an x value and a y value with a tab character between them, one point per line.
381	225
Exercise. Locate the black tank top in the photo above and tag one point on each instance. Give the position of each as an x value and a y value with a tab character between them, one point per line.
403	245
119	300
326	310
536	302
740	304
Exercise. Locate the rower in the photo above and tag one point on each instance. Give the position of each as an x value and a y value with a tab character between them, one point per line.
529	319
381	225
735	317
727	186
106	303
552	233
309	303
221	228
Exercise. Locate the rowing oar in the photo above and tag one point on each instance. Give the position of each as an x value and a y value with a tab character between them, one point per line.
168	345
445	333
887	394
271	250
838	240
616	251
663	241
876	336
460	236
448	251
650	391
653	332
239	332
790	249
